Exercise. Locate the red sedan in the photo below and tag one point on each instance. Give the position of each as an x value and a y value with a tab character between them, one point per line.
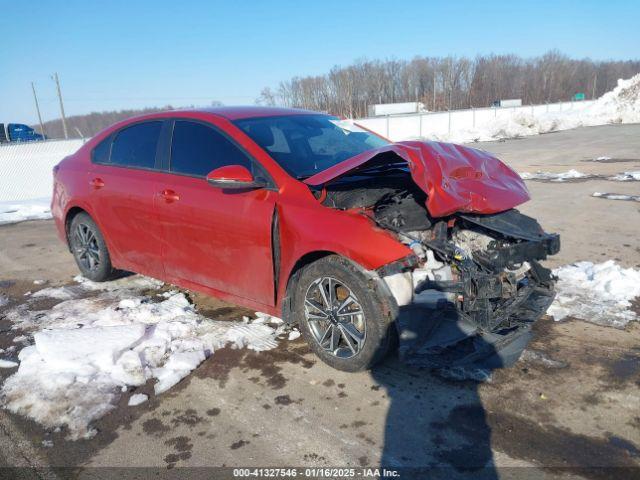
309	217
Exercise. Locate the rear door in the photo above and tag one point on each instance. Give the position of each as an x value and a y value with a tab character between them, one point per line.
217	238
124	185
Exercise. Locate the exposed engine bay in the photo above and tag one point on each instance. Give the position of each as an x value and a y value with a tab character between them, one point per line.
473	286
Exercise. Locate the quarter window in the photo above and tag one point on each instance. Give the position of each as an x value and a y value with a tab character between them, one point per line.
196	149
135	146
101	151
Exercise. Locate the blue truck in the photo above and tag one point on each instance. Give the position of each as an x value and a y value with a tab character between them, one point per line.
17	132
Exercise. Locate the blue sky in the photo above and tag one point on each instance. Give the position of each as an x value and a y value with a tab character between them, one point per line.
130	54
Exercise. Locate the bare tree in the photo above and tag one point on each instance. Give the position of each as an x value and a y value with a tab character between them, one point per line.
442	83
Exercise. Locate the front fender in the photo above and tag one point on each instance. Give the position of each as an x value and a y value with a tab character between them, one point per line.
354	236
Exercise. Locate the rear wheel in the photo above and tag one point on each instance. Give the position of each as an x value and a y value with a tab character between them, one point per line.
341	313
89	248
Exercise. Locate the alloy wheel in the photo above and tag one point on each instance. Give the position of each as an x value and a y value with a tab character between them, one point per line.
86	247
335	317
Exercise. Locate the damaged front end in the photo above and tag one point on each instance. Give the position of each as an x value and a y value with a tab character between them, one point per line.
479	288
474	286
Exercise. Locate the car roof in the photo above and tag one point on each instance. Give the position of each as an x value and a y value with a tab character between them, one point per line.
252	111
230	113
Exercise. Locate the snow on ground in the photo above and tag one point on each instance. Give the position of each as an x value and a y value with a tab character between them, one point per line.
137	399
627	176
598	293
621	105
7	363
556	177
103	338
616	196
577	175
18	211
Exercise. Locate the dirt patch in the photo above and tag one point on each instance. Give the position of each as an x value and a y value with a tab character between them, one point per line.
545	445
554	448
625	369
283	400
189	417
220	364
239	444
182	446
154	426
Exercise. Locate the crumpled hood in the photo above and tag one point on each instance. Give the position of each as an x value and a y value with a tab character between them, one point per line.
455	178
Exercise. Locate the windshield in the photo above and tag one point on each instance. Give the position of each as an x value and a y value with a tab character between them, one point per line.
307	144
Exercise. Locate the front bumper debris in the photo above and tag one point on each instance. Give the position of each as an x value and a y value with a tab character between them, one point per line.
476	336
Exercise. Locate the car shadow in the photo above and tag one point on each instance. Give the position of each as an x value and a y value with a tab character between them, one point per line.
435	426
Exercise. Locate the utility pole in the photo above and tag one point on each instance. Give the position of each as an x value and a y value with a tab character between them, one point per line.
64	120
35	97
595	82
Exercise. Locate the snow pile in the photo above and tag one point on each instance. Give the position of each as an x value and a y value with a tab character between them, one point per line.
598	293
35	209
87	350
556	177
577	175
626	177
621	105
616	196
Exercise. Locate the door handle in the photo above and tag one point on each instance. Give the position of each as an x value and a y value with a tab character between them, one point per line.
96	183
169	195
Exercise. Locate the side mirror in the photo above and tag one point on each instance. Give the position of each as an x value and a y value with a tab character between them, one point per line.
234	177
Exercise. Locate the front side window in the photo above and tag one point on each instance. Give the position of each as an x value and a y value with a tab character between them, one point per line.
307	144
196	149
135	146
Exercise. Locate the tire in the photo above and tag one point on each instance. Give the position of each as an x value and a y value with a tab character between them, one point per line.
89	249
363	343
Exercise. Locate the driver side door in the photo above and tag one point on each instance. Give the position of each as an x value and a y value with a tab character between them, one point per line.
216	238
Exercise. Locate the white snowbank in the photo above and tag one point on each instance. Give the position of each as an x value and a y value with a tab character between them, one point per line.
575	174
18	211
616	196
556	177
598	293
626	177
621	105
87	349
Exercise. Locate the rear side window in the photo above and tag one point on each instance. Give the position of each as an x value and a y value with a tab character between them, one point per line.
196	149
101	151
135	146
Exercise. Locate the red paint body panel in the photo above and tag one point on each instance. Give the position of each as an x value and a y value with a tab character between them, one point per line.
217	238
234	173
182	230
455	178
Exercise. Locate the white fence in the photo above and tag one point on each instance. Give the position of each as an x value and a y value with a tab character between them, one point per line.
414	125
26	168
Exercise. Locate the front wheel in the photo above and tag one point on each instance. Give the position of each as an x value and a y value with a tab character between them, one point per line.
89	249
341	313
